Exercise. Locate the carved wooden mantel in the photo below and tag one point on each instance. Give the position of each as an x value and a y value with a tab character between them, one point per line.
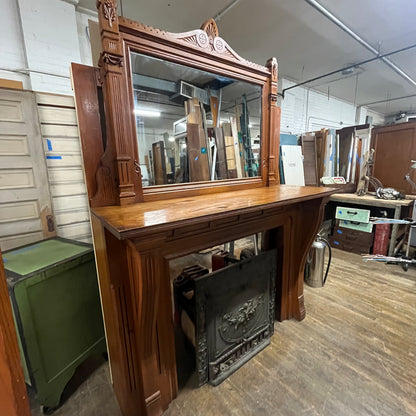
137	231
134	244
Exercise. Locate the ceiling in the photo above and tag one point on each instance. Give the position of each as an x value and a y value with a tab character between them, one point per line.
307	43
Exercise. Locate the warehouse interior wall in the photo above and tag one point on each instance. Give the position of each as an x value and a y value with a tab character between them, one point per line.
304	109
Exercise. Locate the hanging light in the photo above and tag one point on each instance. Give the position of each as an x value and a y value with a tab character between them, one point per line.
146	113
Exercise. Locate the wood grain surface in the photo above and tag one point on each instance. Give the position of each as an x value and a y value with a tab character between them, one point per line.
140	239
371	200
148	216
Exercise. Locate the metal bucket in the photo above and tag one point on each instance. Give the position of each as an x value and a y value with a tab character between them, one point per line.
315	274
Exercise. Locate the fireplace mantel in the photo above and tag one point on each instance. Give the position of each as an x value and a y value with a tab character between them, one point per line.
133	246
138	228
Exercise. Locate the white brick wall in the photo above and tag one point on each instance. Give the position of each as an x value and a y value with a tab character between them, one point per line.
40	39
306	110
82	16
12	54
51	43
378	119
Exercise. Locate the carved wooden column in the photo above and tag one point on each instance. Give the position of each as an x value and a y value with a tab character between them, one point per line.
118	166
273	177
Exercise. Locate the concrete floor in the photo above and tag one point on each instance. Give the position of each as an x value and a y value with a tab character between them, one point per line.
89	393
354	354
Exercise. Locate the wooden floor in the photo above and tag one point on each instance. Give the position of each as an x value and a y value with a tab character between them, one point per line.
354	354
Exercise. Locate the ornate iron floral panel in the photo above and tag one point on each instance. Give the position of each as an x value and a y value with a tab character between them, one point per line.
234	315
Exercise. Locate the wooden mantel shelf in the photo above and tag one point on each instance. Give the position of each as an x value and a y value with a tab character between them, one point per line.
144	219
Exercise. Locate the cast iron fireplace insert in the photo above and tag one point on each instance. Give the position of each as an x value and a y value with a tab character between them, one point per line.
232	311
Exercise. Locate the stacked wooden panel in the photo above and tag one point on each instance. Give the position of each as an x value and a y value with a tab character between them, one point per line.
310	165
197	143
234	169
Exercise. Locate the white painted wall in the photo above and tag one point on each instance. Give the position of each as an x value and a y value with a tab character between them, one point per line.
12	53
40	39
82	17
306	110
377	118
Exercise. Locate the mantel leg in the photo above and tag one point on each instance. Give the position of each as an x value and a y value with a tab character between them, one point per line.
153	322
139	327
306	222
293	240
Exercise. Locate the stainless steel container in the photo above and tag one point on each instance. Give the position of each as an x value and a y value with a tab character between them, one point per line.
315	274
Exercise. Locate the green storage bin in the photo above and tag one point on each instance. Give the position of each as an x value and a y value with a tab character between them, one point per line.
56	304
353	214
360	226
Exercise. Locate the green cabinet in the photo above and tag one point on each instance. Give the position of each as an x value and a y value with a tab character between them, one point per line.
54	292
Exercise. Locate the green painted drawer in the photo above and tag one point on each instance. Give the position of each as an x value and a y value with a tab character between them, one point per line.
360	226
352	214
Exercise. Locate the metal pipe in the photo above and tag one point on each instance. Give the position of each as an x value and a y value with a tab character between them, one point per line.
227	8
389	99
345	68
359	39
28	71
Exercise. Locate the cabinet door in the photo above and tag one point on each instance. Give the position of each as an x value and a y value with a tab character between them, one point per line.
395	147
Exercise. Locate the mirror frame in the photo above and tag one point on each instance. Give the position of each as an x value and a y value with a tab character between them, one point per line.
202	49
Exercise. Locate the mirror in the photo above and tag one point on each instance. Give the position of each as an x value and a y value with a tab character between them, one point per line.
193	125
175	114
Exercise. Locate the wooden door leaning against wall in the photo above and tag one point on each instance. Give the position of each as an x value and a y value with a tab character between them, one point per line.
395	148
25	202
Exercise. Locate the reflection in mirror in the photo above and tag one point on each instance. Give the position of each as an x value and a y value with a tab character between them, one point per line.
193	125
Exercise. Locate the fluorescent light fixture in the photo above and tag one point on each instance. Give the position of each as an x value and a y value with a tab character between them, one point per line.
146	113
171	139
250	126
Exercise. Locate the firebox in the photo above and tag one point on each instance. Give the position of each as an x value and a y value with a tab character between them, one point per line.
231	312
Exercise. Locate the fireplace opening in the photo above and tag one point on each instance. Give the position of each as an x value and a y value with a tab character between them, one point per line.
224	310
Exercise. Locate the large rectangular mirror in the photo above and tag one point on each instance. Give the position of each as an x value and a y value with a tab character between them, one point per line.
193	125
